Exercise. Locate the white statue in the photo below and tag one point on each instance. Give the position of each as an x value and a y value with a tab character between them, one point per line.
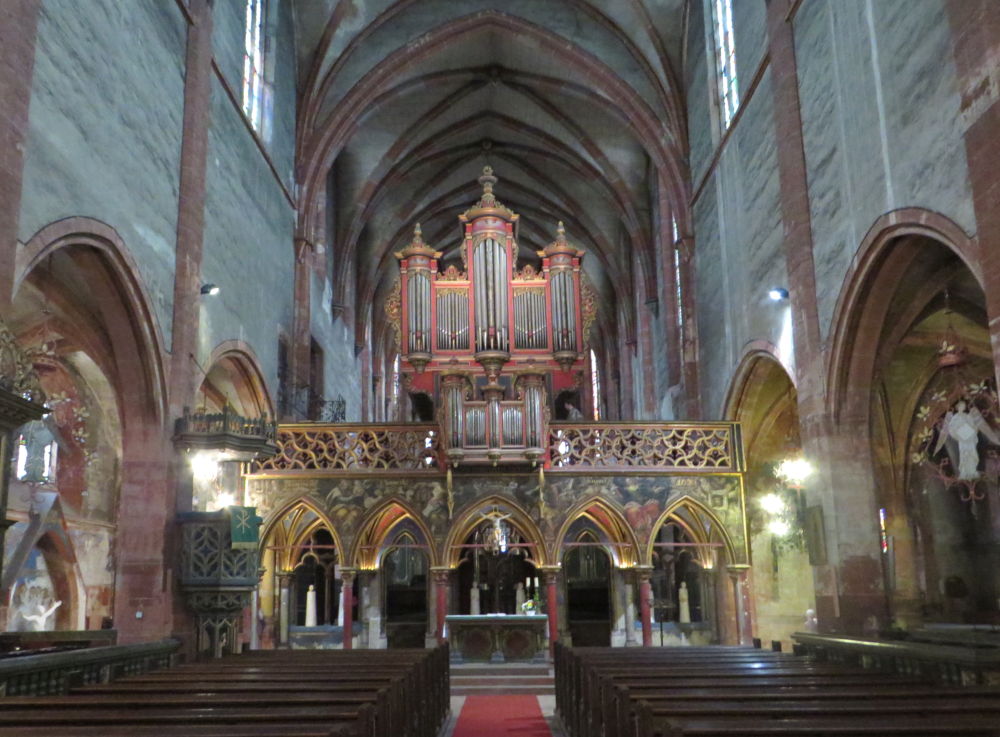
812	623
42	616
963	427
311	606
519	598
685	606
474	605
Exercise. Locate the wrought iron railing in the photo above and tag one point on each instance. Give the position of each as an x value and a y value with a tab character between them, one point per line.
227	422
308	447
705	446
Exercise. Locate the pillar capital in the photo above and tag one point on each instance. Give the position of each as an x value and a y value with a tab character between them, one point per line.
550	574
441	574
347	575
641	573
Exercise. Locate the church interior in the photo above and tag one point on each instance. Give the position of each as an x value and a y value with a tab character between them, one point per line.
403	337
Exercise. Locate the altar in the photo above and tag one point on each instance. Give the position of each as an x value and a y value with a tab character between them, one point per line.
497	638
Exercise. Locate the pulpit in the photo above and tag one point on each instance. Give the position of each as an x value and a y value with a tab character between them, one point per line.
497	638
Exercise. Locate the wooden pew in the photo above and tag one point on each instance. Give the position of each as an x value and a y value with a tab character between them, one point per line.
726	692
298	694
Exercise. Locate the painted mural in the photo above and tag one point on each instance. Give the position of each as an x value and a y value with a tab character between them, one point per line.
547	501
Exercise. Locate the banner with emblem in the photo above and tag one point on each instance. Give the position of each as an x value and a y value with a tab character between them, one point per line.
244	525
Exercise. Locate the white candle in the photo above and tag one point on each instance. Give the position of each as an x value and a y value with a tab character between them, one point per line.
536	584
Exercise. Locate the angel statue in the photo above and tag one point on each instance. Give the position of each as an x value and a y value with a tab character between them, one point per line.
960	435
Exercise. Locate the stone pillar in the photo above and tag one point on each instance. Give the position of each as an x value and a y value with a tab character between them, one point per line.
284	606
442	580
254	627
644	574
617	594
629	579
741	593
550	576
347	592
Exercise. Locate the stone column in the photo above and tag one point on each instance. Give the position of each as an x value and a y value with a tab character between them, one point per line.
442	580
644	574
741	592
629	579
284	606
254	628
550	576
347	592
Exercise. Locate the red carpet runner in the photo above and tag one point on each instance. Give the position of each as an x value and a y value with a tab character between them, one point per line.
501	716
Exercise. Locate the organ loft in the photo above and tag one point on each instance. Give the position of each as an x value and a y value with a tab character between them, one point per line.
415	368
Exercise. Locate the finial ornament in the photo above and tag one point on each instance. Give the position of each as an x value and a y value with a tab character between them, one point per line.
561	232
418	234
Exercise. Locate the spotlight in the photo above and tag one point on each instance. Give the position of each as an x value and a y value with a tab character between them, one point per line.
772	503
779	527
777	294
210	289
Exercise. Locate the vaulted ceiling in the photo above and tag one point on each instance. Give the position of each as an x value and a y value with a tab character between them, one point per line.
574	103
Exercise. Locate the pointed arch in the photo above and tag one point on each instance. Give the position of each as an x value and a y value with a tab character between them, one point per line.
867	291
700	523
469	516
375	528
610	520
135	338
238	362
303	517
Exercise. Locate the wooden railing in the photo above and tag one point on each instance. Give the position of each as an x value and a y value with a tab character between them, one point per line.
55	673
958	666
674	446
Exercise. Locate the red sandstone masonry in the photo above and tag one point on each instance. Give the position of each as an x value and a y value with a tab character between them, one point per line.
975	26
18	30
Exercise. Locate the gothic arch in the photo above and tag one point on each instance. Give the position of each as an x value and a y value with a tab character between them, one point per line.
865	296
610	520
467	518
284	538
240	368
701	524
377	526
136	323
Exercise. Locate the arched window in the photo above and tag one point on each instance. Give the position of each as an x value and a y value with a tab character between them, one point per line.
256	90
595	385
725	58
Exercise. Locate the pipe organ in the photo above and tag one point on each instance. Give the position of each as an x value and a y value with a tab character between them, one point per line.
490	336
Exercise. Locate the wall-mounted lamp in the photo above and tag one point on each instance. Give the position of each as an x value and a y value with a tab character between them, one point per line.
209	289
777	294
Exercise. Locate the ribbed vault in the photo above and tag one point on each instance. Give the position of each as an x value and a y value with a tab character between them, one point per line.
574	103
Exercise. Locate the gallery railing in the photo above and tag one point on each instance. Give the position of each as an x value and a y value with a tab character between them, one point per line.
956	666
355	447
579	446
674	446
55	673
